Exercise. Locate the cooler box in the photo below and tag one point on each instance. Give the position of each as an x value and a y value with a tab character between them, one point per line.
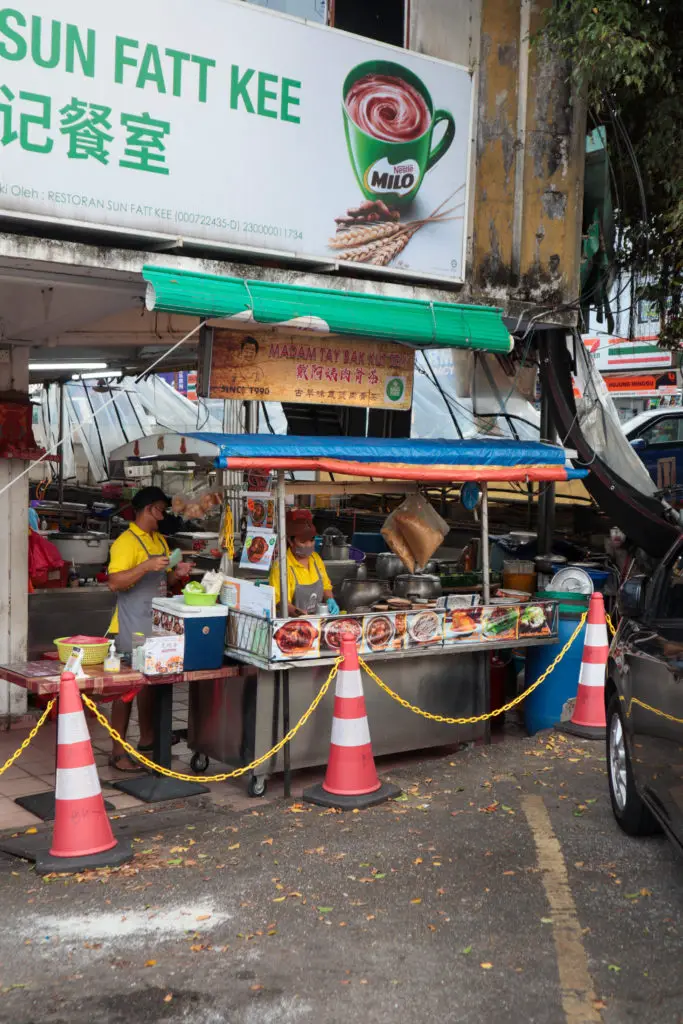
202	627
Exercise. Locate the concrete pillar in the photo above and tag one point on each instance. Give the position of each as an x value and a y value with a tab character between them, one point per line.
13	549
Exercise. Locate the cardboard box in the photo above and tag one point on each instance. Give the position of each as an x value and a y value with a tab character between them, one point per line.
164	655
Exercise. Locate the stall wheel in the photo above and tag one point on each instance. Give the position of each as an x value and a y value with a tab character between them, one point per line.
199	763
257	786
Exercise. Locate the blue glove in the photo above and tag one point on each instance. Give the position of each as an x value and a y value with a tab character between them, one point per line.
332	606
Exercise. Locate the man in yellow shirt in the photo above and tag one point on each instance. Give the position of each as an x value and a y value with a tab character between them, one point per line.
138	572
308	584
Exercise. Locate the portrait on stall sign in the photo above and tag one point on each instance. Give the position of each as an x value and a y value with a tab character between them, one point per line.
242	361
311	367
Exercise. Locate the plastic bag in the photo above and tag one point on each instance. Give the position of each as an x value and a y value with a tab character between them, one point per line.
398	545
42	555
417	526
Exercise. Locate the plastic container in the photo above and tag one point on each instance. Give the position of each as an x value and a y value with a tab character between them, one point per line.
543	707
519	576
199	600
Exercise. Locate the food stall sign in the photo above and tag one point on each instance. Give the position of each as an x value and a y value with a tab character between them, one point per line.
325	371
313	143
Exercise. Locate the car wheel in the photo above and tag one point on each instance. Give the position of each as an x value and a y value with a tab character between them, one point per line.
632	815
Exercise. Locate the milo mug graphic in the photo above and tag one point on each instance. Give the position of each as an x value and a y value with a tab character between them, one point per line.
390	120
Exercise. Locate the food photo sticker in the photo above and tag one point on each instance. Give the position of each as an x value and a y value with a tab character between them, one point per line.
381	632
500	623
258	550
295	638
463	624
537	619
332	631
424	628
260	511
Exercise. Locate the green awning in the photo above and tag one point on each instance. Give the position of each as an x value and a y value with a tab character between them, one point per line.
411	321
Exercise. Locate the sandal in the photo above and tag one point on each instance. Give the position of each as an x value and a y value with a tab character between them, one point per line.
114	763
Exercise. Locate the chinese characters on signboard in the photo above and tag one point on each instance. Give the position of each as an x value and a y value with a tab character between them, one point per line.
311	141
331	371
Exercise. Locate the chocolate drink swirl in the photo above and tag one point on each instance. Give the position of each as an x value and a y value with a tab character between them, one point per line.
388	108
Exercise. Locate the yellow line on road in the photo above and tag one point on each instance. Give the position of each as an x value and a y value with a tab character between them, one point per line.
576	985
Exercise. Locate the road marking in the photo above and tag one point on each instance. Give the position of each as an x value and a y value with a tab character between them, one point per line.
576	985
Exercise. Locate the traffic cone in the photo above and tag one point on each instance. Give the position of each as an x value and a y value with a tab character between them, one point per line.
588	717
82	836
351	779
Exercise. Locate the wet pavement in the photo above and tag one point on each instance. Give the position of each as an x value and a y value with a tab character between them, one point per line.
497	889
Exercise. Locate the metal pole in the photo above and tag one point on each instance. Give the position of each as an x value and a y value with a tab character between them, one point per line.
229	487
60	478
486	577
546	497
282	543
252	417
284	612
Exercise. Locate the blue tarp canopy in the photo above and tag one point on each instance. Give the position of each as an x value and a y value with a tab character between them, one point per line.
418	459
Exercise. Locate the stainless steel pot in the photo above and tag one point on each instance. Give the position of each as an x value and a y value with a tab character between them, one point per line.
388	565
83	549
355	594
340	570
417	586
335	550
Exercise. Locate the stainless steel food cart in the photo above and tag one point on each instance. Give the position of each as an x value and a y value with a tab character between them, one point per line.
240	719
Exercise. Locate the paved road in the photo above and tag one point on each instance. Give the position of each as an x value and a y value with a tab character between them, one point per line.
497	890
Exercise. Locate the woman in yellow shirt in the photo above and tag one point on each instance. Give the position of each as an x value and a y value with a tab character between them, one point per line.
308	584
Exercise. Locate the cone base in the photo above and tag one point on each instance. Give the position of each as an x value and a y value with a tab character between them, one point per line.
318	795
36	849
584	732
153	789
43	804
119	854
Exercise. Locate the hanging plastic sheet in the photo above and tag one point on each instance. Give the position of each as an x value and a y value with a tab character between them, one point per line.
598	421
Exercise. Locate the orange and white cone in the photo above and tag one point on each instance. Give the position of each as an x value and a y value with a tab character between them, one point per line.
82	836
588	717
351	779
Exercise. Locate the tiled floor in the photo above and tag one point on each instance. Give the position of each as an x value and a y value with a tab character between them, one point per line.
34	771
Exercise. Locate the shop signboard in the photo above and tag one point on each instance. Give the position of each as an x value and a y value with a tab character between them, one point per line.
325	371
226	124
612	353
642	384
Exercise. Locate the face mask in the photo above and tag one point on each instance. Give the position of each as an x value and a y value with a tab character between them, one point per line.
303	550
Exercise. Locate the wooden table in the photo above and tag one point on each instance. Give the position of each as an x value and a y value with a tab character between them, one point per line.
42	678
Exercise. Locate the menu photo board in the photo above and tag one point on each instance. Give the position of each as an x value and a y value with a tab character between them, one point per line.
325	370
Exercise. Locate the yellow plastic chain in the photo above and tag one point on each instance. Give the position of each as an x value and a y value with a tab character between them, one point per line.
610	624
227	538
17	753
132	752
491	714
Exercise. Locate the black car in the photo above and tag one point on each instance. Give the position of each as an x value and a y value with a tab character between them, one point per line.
644	702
